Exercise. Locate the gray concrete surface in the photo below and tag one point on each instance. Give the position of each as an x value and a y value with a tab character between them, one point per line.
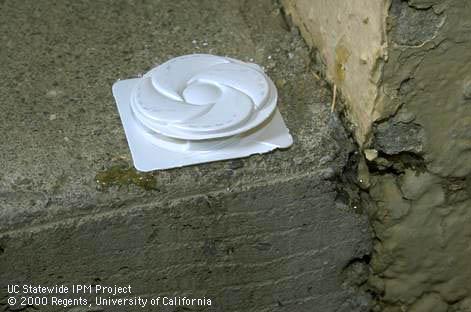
267	233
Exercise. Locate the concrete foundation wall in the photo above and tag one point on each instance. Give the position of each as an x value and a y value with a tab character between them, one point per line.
417	144
265	248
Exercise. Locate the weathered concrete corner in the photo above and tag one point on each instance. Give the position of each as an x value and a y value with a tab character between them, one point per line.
267	233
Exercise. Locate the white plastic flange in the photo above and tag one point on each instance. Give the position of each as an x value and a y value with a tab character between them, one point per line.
199	108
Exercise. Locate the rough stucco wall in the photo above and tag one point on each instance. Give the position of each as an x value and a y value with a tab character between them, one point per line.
421	184
350	36
418	151
429	73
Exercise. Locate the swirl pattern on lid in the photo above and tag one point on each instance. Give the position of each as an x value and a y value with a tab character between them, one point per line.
201	97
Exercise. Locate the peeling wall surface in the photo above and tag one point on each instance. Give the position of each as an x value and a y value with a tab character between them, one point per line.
429	76
417	149
350	38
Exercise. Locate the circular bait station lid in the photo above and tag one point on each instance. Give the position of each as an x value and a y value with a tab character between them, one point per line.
201	102
199	108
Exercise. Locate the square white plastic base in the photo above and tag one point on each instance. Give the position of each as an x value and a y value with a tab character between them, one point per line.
148	155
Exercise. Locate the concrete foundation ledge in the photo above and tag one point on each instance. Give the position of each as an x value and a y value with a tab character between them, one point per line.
272	232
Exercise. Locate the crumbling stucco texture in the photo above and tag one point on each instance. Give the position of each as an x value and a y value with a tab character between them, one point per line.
416	132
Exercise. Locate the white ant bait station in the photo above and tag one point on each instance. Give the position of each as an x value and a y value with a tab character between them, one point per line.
199	108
